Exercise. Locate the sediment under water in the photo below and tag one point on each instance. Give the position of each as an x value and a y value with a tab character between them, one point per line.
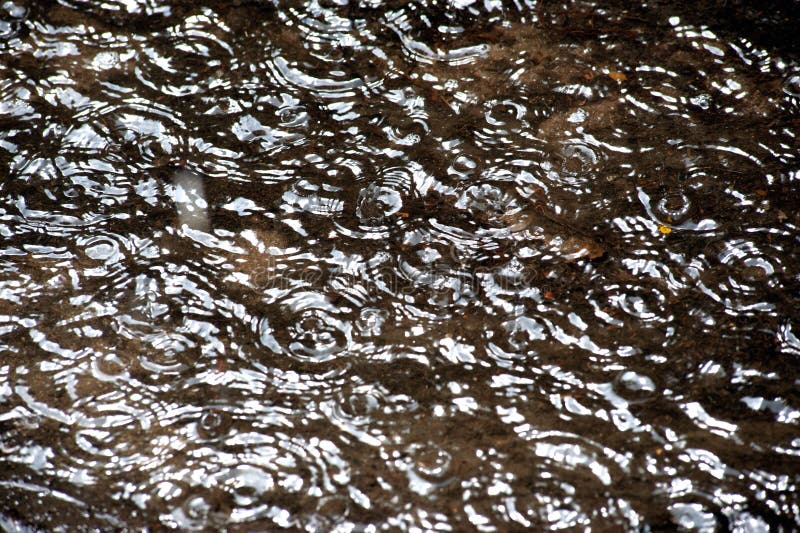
402	265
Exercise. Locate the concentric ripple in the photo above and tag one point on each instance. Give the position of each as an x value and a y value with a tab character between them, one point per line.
310	329
741	275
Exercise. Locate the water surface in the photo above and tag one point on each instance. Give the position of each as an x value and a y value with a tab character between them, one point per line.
402	265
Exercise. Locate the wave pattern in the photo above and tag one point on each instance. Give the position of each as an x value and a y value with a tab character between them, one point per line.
417	265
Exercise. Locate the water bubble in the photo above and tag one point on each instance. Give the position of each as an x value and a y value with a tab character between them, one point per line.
105	60
428	467
317	336
376	203
673	208
313	197
505	113
407	134
312	330
693	516
488	202
791	85
573	165
370	321
102	248
463	166
578	158
247	485
214	423
634	387
513	276
352	410
358	404
111	366
432	463
292	116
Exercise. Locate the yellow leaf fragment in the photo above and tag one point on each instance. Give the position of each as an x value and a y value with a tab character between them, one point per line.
666	230
617	76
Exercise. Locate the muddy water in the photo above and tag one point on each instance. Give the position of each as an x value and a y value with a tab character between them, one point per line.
409	266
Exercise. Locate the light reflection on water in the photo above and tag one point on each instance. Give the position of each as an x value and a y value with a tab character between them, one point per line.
336	266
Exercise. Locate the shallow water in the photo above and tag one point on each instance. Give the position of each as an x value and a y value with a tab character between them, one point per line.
404	265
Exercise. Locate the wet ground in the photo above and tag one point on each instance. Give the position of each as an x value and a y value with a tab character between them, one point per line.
402	265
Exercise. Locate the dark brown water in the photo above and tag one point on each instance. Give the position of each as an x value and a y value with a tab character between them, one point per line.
402	265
